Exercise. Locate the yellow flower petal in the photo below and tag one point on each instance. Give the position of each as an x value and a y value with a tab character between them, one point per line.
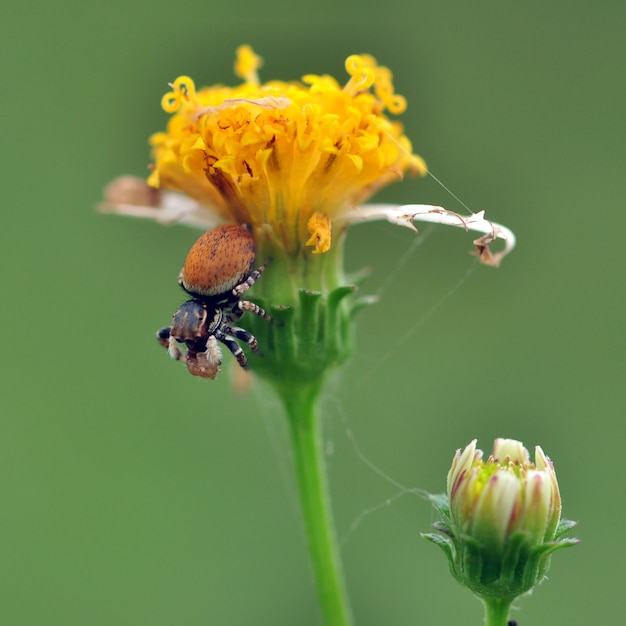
319	226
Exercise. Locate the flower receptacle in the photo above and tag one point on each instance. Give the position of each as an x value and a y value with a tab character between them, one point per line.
313	307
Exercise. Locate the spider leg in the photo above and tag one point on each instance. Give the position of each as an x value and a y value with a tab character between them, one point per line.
246	284
163	336
167	341
233	346
245	305
241	334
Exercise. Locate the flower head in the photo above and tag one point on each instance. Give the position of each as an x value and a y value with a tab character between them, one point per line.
492	500
501	519
285	154
293	160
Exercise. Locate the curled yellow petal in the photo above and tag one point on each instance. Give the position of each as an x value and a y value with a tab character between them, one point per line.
319	226
183	90
363	74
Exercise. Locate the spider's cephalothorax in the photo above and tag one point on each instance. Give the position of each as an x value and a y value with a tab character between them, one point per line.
217	271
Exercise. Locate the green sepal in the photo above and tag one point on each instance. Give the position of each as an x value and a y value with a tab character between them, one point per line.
358	278
313	305
361	303
445	543
489	572
307	340
441	504
444	528
564	526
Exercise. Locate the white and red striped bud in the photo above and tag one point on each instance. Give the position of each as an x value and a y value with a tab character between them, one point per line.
501	519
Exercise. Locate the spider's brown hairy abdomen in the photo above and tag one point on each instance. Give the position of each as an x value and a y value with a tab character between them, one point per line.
220	259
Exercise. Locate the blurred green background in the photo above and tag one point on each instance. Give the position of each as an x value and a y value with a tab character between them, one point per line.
135	494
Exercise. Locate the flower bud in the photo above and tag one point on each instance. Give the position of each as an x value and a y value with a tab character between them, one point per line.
500	519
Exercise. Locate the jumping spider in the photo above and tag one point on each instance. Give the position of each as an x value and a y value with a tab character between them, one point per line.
217	271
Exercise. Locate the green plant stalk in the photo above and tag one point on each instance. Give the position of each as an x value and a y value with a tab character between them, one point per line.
301	404
497	611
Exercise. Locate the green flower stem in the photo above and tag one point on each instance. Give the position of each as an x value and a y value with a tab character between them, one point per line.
497	611
301	404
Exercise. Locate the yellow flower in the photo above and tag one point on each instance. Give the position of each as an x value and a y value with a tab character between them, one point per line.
293	160
288	155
